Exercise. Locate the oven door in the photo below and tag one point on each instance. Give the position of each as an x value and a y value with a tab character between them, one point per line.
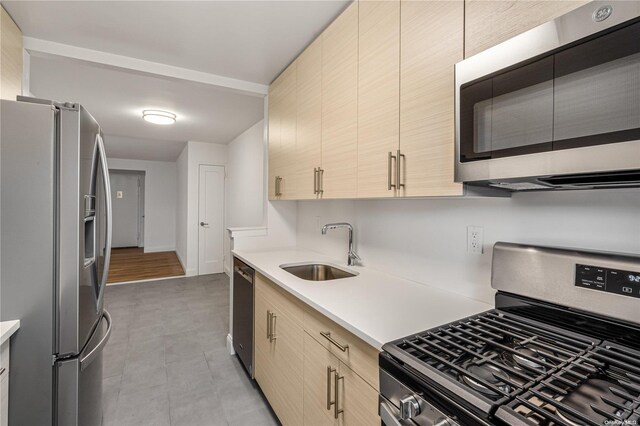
559	99
401	406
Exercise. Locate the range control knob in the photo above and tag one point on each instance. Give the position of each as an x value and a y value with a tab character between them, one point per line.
409	407
443	422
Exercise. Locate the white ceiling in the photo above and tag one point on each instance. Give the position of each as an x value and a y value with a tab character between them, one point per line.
116	99
247	40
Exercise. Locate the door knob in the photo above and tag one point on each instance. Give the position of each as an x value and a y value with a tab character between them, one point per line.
204	224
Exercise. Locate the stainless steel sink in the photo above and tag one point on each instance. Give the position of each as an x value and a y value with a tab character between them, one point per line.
318	271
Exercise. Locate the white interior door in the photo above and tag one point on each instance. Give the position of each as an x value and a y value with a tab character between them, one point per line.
211	220
125	196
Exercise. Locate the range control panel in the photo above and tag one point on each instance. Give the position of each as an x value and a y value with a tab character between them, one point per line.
625	283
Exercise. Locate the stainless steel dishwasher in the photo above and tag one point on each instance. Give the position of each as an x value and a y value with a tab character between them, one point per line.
243	276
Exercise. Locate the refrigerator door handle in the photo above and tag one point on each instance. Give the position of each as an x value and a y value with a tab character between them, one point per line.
88	358
108	217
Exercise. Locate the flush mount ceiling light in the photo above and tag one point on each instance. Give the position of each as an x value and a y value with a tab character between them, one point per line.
158	117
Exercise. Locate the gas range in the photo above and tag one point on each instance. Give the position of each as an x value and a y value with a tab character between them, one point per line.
539	358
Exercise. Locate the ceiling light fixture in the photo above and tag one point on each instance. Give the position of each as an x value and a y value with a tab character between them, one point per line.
158	117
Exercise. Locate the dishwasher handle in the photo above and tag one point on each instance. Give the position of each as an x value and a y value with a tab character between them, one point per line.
243	274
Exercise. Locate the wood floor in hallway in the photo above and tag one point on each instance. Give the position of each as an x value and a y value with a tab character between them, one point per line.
133	264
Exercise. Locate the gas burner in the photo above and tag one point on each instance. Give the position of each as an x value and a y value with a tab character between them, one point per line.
592	397
525	358
488	373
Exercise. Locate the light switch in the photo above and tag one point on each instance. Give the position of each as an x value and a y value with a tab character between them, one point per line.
118	194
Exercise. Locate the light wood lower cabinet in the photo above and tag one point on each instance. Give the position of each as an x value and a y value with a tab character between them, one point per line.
278	350
4	384
307	379
319	392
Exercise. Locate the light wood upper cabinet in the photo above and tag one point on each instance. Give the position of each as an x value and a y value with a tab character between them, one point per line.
378	94
282	135
340	105
429	51
309	116
488	23
11	57
274	137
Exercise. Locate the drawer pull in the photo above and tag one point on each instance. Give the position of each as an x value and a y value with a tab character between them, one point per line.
268	324
327	335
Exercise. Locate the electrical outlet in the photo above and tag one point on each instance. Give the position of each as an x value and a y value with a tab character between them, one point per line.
475	239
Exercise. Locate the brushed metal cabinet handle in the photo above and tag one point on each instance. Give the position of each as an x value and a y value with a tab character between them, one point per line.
389	173
273	327
399	157
337	411
315	180
269	325
320	180
327	335
330	372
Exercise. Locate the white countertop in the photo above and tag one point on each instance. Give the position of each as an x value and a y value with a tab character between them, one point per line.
7	328
375	306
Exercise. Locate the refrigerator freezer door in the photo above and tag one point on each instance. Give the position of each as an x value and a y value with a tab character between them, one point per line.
83	234
79	382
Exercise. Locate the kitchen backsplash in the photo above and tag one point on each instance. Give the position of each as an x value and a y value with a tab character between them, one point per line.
425	240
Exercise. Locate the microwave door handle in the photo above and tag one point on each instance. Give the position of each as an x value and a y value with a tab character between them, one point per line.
108	219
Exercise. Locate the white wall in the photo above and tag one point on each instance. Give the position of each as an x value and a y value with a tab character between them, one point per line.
181	206
245	178
425	240
159	201
197	153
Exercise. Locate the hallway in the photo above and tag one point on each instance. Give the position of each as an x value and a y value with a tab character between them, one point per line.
167	364
133	264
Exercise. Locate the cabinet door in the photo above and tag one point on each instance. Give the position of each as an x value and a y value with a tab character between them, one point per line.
429	50
340	105
11	53
319	383
279	360
288	123
282	140
378	94
274	117
309	128
357	399
488	23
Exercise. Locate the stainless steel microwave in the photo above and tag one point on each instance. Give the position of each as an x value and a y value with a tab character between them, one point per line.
556	107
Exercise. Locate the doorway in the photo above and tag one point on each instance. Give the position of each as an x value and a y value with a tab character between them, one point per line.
127	195
211	220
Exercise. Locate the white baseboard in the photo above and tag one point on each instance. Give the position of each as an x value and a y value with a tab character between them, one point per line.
159	248
230	345
190	272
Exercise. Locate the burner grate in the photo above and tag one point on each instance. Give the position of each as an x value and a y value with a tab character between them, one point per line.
602	385
490	357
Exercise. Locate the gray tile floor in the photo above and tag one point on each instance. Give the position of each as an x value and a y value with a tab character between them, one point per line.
167	363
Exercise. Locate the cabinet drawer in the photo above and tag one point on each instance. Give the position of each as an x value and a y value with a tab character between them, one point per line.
280	300
359	355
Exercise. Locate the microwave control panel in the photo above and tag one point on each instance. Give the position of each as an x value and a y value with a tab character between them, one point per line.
625	283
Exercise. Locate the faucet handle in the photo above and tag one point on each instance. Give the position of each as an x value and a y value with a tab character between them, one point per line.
353	256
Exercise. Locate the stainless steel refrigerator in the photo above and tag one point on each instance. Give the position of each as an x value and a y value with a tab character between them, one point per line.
55	226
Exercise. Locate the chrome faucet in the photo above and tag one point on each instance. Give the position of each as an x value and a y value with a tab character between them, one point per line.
352	257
